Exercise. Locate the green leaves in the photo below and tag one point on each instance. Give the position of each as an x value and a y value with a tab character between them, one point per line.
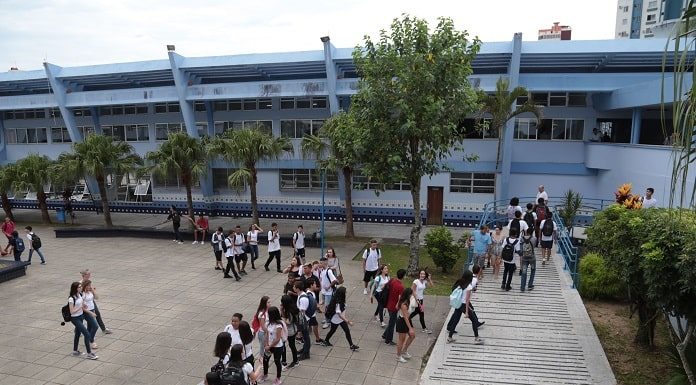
180	154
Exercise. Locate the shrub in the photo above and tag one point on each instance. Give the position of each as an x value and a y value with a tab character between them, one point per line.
597	280
440	245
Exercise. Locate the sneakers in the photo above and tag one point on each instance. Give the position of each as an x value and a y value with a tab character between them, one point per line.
478	341
530	288
401	359
325	325
180	242
480	325
326	343
94	345
92	356
427	331
263	378
76	353
406	355
277	381
365	291
108	331
194	242
293	364
202	242
354	347
267	269
319	341
382	324
450	340
43	262
390	343
377	318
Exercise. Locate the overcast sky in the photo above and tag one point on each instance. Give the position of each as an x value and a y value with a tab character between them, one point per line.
82	32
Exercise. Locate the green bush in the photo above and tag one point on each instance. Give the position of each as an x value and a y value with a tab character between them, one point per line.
440	245
597	280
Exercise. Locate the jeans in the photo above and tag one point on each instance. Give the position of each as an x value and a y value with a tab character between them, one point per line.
388	335
18	256
92	326
276	353
531	265
457	315
380	305
38	251
507	274
346	330
261	335
420	313
177	235
305	337
271	255
80	329
254	254
99	317
293	349
230	266
327	301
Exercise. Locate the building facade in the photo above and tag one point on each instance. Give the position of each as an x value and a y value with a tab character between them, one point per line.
600	128
556	32
638	19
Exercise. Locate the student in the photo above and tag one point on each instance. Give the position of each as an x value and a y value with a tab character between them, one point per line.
236	362
418	289
481	240
530	217
308	276
175	217
371	258
648	200
229	254
239	254
233	328
404	326
377	288
17	245
223	342
88	296
527	260
337	311
87	276
511	246
298	243
331	259
247	337
290	315
34	244
395	290
217	240
274	329
467	285
77	310
517	225
273	247
497	238
542	212
547	230
201	228
253	240
294	267
258	322
328	285
307	308
512	208
8	227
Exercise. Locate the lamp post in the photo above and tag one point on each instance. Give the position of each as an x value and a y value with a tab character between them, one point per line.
323	195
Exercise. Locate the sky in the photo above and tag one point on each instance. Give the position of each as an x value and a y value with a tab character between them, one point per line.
84	32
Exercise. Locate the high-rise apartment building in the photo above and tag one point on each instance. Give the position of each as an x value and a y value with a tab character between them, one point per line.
556	32
637	19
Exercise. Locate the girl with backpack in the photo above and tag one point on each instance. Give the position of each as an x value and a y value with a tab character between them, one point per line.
247	337
223	342
406	305
377	287
261	319
465	286
418	289
290	314
275	332
336	312
238	370
77	308
88	295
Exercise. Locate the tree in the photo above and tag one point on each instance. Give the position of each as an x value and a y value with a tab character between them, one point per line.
413	92
33	173
182	155
7	178
337	147
247	147
99	156
499	108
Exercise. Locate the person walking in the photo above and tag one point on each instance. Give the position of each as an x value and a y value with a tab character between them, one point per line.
371	258
17	245
465	283
511	247
201	228
237	364
377	288
418	287
395	289
512	208
8	226
253	241
258	322
337	311
298	243
496	250
88	295
547	231
332	260
275	329
34	244
87	276
328	285
229	254
217	240
77	309
290	315
273	247
481	240
175	217
404	326
240	256
527	261
307	308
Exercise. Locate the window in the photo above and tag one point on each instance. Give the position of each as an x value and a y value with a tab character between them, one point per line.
130	109
234	105
317	102
540	98
549	129
220	106
287	103
25	114
249	104
202	128
652	4
303	103
117	132
577	99
164	181
60	135
265	104
54	113
162	130
624	21
651	17
85	130
472	182
161	108
306	180
26	135
199	107
221	178
525	128
296	129
137	133
362	182
557	99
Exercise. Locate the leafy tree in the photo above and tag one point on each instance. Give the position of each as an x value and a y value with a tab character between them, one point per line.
33	173
337	147
570	205
99	156
247	147
441	247
7	178
413	92
182	155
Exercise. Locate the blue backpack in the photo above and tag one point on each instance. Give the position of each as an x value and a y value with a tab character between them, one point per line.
455	299
312	307
19	244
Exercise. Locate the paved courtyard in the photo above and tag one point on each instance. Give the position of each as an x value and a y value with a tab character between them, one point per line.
166	304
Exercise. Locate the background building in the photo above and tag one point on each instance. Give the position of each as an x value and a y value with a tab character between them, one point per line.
637	19
556	32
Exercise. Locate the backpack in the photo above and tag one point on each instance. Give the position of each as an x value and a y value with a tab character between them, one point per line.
19	245
312	306
65	311
385	293
35	241
233	375
216	246
540	212
455	299
509	250
547	230
527	249
515	225
219	367
529	218
255	323
367	253
223	244
331	310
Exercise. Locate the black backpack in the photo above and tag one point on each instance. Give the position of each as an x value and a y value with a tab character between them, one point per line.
219	367
19	245
529	218
509	250
223	244
233	375
65	312
515	226
547	230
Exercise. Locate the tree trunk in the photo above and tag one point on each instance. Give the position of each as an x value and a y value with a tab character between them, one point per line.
189	200
348	186
41	197
7	206
101	182
254	204
681	348
414	259
647	316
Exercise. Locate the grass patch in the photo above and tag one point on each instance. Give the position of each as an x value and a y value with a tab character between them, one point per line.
396	257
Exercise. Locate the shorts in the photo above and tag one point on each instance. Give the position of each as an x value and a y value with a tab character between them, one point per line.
401	326
546	244
240	257
218	255
312	321
301	253
369	275
480	259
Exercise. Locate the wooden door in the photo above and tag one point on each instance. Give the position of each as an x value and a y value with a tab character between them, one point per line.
435	205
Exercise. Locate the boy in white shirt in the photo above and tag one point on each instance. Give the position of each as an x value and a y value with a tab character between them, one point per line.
273	247
371	258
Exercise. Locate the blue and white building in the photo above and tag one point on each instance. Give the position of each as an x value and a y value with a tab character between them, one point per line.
611	85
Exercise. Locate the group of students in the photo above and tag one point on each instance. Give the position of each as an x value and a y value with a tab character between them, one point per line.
83	308
16	245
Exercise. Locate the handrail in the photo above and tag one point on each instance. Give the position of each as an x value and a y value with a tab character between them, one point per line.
567	250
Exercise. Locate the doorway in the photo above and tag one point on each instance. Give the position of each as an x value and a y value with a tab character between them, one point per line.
435	205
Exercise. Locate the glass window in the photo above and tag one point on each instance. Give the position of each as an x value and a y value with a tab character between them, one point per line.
29	114
472	182
173	107
558	129
302	128
129	110
287	128
306	179
236	125
119	133
143	132
199	106
303	103
577	99
141	109
131	132
557	99
55	113
21	135
11	135
220	106
544	129
575	129
540	98
9	115
319	102
202	128
317	126
31	135
160	108
522	100
161	131
265	104
59	135
249	104
220	127
483	183
235	105
220	176
117	110
266	126
41	136
105	111
287	103
40	114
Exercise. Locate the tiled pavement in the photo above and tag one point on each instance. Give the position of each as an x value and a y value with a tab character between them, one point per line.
166	304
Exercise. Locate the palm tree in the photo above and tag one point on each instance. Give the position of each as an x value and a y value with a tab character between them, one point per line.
499	108
337	148
33	173
182	155
99	156
7	178
246	148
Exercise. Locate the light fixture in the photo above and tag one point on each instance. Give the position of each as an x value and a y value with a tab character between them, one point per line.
170	47
324	39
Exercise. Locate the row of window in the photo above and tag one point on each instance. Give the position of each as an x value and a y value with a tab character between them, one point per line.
37	135
302	103
243	104
549	129
556	99
297	128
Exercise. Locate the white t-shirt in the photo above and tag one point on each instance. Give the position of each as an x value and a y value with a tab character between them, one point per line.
517	248
238	240
236	339
89	300
327	276
230	248
510	212
541	229
303	303
371	258
30	234
299	240
77	303
542	194
273	244
474	282
648	203
523	226
336	319
273	331
215	239
253	237
420	288
380	282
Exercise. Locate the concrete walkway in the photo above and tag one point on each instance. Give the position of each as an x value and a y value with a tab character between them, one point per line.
531	338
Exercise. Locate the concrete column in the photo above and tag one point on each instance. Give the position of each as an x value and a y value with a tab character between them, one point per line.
330	74
181	84
3	143
96	120
508	132
59	93
636	118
